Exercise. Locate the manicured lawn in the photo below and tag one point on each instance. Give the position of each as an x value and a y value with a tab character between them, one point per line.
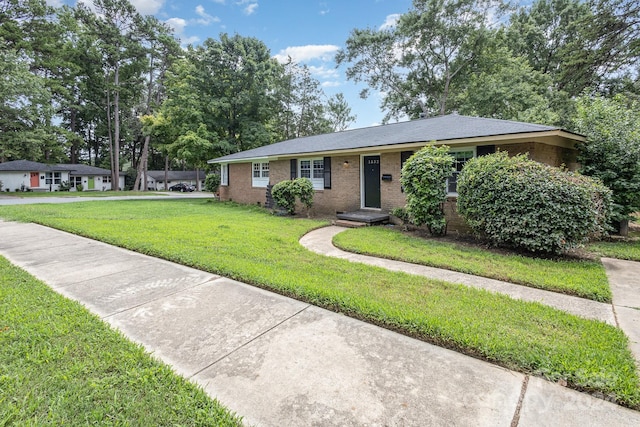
586	279
60	365
627	249
251	245
37	194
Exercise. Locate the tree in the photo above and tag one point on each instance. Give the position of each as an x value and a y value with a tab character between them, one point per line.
507	87
418	63
612	150
301	111
339	113
117	28
424	176
25	110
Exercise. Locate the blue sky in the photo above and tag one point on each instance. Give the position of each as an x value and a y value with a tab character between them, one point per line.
310	31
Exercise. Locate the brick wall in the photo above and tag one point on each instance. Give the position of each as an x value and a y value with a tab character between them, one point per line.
240	189
544	153
345	192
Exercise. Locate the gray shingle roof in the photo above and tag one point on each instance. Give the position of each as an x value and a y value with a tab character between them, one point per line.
28	166
85	170
442	128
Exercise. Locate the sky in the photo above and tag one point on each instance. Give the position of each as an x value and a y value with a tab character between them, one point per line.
310	31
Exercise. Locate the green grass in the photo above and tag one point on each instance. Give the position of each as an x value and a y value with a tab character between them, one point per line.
585	279
248	244
37	194
60	365
623	249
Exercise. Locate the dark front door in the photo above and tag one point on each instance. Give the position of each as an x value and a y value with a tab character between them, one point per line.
372	181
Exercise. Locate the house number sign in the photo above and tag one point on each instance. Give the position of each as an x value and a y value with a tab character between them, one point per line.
373	162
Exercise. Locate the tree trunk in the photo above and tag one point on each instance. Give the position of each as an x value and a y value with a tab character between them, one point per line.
166	172
115	182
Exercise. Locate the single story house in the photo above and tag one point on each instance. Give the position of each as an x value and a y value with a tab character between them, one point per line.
360	169
25	175
155	179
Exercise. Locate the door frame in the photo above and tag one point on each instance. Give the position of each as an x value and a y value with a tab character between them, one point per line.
362	182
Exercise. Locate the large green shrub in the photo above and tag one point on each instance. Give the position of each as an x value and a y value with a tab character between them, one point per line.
424	177
212	183
518	202
286	192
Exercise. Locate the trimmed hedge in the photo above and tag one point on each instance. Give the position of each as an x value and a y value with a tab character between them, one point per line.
424	177
285	193
518	202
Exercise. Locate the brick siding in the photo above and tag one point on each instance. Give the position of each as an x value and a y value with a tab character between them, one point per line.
345	192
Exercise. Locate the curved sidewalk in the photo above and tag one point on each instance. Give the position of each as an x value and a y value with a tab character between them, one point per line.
281	362
321	241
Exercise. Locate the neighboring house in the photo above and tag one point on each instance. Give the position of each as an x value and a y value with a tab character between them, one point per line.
360	169
25	175
91	177
155	179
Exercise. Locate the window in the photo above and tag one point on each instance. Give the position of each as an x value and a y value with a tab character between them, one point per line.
75	180
314	170
106	178
52	178
461	157
224	174
260	174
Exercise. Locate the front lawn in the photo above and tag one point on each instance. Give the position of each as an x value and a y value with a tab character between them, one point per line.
248	244
45	194
61	365
585	279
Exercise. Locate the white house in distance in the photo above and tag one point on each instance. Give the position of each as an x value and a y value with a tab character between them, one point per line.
155	179
25	175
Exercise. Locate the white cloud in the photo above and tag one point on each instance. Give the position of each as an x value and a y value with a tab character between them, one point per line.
307	53
148	7
55	3
324	72
390	21
251	9
178	25
331	84
205	18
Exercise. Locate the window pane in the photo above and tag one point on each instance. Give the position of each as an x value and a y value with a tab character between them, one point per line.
318	169
305	168
265	170
256	170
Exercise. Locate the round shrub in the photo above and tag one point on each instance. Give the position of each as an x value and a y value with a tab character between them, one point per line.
517	202
286	192
424	177
212	183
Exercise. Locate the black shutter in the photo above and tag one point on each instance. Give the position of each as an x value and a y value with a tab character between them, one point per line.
228	173
327	173
483	150
294	168
404	156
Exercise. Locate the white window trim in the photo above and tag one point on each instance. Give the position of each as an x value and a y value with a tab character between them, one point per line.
458	150
318	183
263	180
224	173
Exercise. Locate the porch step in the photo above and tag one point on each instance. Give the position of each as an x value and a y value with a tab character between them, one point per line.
364	216
350	224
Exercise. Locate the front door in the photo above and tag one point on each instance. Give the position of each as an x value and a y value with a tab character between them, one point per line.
371	174
35	180
91	184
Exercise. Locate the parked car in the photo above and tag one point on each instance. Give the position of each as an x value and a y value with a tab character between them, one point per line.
181	187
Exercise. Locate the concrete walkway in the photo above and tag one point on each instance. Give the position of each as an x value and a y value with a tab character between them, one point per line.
278	361
623	276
